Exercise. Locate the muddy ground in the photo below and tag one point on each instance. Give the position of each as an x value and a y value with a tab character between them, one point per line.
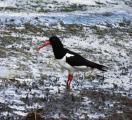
33	81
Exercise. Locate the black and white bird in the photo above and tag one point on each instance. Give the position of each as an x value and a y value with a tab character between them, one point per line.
68	59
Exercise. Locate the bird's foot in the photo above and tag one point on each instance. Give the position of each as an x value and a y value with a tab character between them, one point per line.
67	86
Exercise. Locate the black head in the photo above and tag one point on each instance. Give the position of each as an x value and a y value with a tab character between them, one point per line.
57	46
55	41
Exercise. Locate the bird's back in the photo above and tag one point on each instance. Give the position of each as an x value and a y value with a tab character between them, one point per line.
77	60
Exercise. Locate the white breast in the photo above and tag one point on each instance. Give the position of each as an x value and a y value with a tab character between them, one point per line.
62	62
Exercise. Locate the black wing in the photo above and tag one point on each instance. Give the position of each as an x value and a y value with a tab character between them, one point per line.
78	60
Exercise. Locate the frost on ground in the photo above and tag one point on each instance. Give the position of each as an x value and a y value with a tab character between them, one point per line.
33	81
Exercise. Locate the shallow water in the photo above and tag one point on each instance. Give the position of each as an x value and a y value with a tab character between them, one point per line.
84	19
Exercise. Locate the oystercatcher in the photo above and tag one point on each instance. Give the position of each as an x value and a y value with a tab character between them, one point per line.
68	59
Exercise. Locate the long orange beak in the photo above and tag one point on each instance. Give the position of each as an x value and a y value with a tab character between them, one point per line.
43	45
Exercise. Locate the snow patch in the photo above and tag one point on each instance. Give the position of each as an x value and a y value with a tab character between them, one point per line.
7	73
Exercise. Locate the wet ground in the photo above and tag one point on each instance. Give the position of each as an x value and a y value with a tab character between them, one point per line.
33	81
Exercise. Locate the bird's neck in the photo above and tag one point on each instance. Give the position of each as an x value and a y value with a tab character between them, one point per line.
59	51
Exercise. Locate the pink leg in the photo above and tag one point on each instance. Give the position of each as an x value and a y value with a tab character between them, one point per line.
70	78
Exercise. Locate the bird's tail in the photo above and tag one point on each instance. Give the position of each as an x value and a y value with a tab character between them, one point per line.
101	67
98	66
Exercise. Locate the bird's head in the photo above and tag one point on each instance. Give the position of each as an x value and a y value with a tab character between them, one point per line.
54	41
